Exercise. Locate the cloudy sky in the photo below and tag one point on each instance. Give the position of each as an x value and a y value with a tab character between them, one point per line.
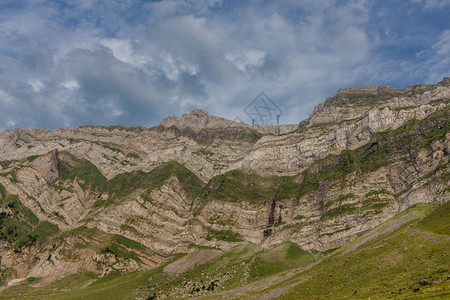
103	62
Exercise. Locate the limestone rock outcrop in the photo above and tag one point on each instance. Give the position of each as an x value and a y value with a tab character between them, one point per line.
47	165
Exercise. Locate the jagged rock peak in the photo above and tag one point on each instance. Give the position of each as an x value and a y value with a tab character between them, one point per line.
198	119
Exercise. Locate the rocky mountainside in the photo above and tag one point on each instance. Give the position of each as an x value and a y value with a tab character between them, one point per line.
102	200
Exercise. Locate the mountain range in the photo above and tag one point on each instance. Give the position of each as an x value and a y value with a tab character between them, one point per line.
201	206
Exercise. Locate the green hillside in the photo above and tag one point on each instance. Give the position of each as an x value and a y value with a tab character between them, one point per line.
391	265
403	258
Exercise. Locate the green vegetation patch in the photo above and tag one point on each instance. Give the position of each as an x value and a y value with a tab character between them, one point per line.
340	210
45	230
279	259
242	264
32	158
111	147
17	206
76	230
21	227
223	235
72	287
236	186
11	175
123	247
6	163
204	152
2	192
119	252
438	221
126	183
340	199
377	193
32	280
72	168
441	167
15	230
71	282
5	274
128	242
133	155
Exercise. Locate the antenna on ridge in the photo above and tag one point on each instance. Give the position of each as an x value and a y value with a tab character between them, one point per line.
278	124
253	122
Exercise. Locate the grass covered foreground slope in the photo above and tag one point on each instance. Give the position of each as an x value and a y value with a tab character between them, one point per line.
201	274
403	258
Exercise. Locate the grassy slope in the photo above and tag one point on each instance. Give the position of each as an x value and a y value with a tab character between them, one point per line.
279	259
124	184
390	265
21	227
242	264
120	187
71	168
121	287
237	185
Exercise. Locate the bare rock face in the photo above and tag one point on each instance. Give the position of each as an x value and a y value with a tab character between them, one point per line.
198	119
47	165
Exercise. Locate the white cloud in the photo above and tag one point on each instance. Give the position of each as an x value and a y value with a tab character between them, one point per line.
246	59
71	84
122	49
442	46
433	4
5	99
11	124
110	109
37	85
169	67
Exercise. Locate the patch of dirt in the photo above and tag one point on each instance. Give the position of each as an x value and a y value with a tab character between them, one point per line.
191	260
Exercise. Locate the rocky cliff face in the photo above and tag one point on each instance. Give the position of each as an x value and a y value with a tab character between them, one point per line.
99	199
47	166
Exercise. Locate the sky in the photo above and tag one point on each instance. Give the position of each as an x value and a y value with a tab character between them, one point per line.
68	63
